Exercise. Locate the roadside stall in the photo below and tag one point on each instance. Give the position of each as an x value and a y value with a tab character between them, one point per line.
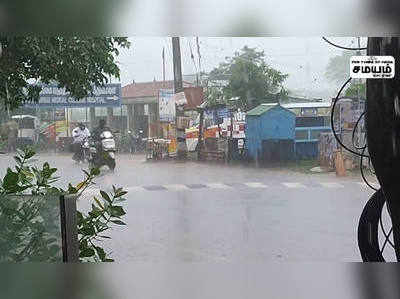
173	128
218	134
234	128
157	148
212	144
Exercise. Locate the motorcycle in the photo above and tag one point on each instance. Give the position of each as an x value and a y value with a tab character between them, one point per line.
140	144
136	142
102	153
84	151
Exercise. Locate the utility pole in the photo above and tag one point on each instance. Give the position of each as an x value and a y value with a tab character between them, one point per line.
176	52
163	59
178	87
199	56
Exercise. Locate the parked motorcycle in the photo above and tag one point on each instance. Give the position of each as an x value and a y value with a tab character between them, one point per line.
102	153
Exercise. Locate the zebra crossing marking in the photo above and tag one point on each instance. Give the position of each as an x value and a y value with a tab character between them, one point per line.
331	185
227	186
294	185
136	189
255	185
218	186
176	187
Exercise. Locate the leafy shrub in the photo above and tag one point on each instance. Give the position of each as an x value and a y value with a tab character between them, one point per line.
29	214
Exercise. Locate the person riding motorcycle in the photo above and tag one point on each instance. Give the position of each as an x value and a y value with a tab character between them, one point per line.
140	143
79	134
99	129
104	144
132	141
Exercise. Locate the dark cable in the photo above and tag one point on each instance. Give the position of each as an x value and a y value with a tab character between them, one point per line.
363	148
369	166
342	47
354	130
332	124
362	171
387	235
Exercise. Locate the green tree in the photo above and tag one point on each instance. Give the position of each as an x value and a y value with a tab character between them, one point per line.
356	89
338	72
338	68
74	63
249	78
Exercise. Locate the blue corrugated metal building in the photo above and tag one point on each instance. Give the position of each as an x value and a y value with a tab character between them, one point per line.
308	129
270	133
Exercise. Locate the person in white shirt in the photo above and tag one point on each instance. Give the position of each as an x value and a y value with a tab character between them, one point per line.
80	133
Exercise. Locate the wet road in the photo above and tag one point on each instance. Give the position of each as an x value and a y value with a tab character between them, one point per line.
195	212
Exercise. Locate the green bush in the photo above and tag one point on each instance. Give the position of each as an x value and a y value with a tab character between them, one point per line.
29	214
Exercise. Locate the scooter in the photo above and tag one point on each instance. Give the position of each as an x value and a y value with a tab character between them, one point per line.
102	153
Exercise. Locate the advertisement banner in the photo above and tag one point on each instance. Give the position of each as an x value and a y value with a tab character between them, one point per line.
166	105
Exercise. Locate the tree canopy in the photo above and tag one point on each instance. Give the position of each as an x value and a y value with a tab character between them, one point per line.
338	72
248	77
357	89
74	63
338	68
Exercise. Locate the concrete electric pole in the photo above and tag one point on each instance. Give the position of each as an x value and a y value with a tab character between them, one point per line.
178	87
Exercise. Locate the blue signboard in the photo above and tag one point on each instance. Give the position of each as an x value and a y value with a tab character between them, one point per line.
52	96
223	113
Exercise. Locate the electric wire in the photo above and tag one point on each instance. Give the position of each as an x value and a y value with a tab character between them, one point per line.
332	122
342	47
354	131
362	171
358	147
191	54
387	235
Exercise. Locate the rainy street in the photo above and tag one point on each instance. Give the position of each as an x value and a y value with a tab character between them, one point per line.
201	212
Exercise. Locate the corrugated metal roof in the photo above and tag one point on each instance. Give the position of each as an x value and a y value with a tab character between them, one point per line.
307	105
261	109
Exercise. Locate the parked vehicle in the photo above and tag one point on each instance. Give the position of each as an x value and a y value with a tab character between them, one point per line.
28	129
102	152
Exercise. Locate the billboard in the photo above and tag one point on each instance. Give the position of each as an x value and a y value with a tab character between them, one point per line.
166	104
52	96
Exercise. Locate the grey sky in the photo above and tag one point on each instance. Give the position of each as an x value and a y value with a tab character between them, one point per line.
143	61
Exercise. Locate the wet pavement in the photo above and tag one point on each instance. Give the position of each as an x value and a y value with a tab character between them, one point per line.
196	212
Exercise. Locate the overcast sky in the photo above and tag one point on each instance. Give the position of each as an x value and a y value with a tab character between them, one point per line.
143	61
